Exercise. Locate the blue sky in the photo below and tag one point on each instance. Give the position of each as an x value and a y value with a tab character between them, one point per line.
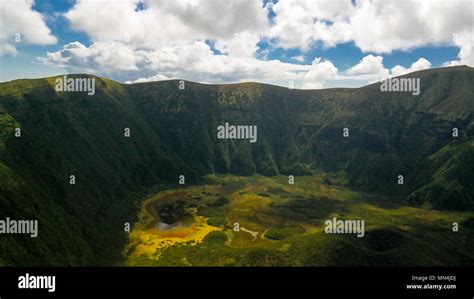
308	44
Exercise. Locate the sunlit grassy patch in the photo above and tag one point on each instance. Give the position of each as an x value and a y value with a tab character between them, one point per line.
267	222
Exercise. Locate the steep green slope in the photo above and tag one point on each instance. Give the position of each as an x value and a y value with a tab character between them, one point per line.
67	134
300	131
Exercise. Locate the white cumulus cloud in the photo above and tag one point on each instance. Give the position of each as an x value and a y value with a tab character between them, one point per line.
18	19
194	61
369	65
420	64
319	73
378	26
464	41
164	23
218	41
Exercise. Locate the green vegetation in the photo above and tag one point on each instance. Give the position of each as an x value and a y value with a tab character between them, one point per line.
300	133
65	134
278	230
173	132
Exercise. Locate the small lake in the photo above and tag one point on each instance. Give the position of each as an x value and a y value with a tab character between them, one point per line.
172	215
165	226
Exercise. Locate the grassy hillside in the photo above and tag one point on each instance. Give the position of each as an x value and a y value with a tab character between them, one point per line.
67	134
173	132
300	132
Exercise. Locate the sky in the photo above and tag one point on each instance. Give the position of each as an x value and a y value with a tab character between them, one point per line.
308	44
